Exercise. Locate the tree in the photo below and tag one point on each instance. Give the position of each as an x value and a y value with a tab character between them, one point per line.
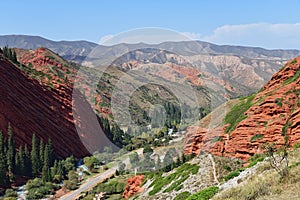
27	162
148	150
10	193
168	160
34	156
57	172
50	152
46	174
14	56
3	167
72	181
121	167
69	163
22	157
90	162
11	153
134	159
4	181
41	154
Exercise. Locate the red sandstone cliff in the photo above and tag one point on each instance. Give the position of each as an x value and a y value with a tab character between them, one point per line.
31	108
276	106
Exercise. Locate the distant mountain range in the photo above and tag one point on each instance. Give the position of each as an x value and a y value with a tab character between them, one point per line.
78	50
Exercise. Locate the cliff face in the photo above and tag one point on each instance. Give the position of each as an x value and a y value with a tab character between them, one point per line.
30	108
274	111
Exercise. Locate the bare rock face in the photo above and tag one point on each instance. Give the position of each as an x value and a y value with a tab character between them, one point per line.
133	186
275	112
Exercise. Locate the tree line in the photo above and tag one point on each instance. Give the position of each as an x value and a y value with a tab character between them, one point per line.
38	162
10	54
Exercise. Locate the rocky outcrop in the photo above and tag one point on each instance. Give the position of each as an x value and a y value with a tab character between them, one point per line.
275	112
29	108
133	186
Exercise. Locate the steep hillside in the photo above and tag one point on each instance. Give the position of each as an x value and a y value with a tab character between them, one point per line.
270	116
32	108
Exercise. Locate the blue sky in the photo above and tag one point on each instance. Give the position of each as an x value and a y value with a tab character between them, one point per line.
265	23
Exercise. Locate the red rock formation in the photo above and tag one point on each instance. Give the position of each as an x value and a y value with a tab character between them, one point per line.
31	108
133	186
277	105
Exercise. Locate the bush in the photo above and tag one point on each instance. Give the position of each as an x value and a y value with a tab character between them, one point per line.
37	189
182	196
255	159
71	183
296	145
10	193
111	187
205	194
231	175
256	137
226	167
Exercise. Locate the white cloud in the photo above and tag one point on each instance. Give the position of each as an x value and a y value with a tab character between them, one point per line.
258	34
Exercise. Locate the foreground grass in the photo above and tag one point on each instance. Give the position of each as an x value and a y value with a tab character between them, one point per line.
267	184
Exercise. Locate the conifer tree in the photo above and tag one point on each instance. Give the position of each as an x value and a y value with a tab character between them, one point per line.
34	156
11	153
41	154
3	167
17	164
46	173
27	161
50	152
22	157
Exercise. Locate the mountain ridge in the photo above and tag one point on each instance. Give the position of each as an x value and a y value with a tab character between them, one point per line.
79	50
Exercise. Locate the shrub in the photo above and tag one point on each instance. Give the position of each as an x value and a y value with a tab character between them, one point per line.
293	78
226	167
296	145
256	137
111	187
232	175
37	189
205	194
182	196
278	102
10	193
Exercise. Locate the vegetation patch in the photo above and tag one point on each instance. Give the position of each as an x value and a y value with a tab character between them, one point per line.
181	174
237	113
292	79
231	175
255	159
256	137
216	139
182	196
205	194
278	102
